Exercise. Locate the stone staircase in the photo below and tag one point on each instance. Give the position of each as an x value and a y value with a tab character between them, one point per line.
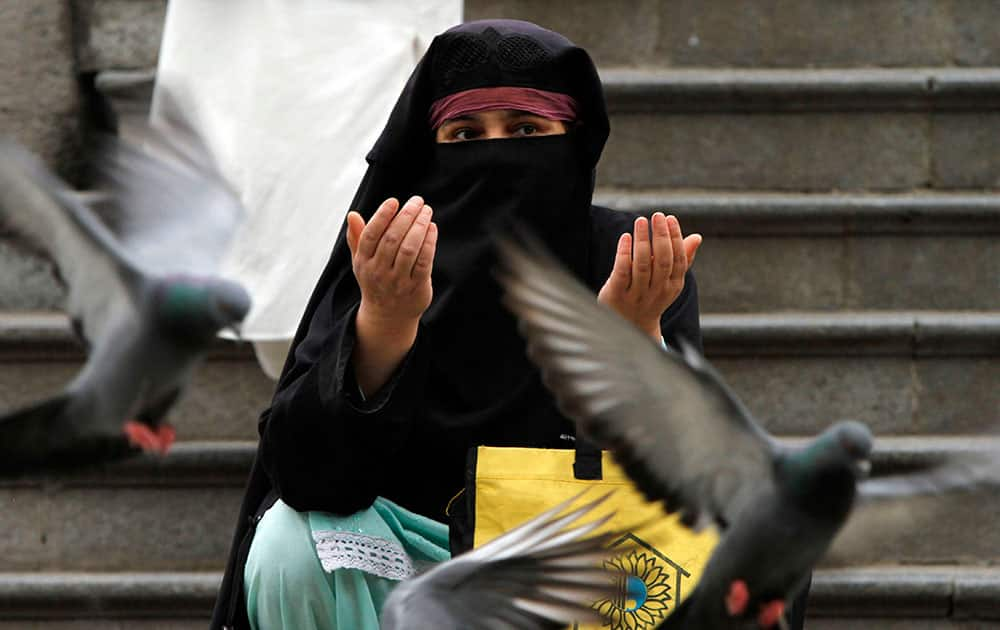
837	156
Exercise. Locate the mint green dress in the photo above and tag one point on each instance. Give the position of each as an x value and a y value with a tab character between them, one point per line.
318	571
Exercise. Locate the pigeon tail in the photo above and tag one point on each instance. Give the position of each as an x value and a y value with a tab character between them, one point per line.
28	434
738	598
771	613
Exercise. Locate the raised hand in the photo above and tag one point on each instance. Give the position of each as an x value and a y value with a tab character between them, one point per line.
648	275
392	257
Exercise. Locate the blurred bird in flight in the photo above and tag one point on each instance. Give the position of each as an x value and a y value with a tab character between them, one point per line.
686	440
140	263
541	574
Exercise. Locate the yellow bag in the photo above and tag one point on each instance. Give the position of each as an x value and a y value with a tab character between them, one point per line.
512	485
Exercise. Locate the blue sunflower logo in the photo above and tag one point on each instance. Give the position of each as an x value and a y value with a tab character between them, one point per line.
648	585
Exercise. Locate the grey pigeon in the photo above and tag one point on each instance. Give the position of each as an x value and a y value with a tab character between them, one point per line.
541	574
686	440
142	291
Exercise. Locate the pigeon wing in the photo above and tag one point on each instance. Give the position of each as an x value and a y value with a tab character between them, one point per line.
675	427
957	473
171	207
101	278
545	573
888	507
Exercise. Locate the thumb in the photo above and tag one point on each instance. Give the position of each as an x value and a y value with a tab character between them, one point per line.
355	224
621	272
691	245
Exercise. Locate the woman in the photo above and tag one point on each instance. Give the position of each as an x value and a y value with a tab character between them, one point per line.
405	357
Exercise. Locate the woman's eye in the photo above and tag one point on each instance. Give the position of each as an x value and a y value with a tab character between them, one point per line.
527	129
463	134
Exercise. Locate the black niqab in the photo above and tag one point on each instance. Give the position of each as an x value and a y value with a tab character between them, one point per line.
480	380
473	187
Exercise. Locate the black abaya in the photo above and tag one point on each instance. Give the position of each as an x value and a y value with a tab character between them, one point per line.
466	381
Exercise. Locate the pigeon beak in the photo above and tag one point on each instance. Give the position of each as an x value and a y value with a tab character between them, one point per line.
236	330
863	468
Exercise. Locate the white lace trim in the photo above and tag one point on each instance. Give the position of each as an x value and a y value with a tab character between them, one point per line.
348	550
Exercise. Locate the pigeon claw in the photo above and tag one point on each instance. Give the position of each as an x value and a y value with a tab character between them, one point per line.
738	598
771	613
155	440
167	434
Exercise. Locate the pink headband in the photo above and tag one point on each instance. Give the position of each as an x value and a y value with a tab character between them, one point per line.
552	105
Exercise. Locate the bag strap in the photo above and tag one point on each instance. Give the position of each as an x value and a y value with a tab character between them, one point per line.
587	464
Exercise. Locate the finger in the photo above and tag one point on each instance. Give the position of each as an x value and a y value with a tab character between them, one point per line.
372	233
680	264
663	255
691	245
425	259
641	263
621	272
388	245
355	225
412	243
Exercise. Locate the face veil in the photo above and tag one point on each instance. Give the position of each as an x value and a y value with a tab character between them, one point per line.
479	374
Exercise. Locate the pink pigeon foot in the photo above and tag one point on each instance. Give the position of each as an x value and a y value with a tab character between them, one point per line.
139	435
156	440
738	598
167	434
770	613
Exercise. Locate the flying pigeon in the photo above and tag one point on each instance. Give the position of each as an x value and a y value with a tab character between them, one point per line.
139	261
686	440
541	574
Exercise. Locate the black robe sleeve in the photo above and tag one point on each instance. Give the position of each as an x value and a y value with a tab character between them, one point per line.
323	447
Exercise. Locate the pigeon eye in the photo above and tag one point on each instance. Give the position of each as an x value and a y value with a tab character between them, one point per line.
854	447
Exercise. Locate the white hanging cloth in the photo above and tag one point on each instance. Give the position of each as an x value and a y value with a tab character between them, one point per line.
290	96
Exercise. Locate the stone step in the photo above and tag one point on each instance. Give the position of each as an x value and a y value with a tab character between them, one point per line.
700	90
768	213
902	372
802	129
760	128
836	251
224	401
662	33
178	512
814	130
897	597
117	34
923	250
172	513
867	598
78	601
789	33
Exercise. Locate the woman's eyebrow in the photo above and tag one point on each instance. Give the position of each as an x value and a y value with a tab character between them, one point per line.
461	118
518	113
